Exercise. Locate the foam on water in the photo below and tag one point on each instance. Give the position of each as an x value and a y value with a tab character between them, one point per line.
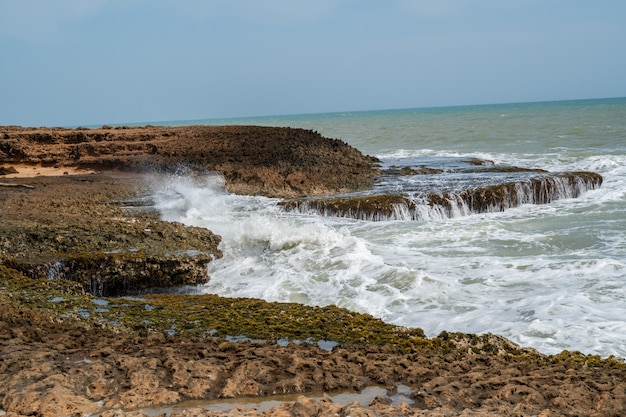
548	276
551	277
270	254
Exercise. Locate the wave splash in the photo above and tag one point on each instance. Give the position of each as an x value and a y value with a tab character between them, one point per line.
518	273
275	255
425	205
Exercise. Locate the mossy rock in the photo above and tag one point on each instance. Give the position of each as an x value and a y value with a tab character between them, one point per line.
214	316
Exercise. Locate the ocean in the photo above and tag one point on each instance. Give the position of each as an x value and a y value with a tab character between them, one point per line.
549	276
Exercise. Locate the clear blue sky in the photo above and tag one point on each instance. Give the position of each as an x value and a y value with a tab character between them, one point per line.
86	62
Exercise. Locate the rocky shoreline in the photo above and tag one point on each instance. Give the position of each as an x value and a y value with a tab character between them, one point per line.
277	162
74	342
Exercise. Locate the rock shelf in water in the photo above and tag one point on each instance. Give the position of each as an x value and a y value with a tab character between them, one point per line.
425	205
444	187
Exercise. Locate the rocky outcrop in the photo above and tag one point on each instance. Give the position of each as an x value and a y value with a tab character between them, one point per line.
544	189
75	228
80	235
278	162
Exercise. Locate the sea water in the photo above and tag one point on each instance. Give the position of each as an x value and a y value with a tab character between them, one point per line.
551	276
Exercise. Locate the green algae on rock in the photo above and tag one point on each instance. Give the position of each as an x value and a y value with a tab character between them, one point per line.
208	315
74	228
138	255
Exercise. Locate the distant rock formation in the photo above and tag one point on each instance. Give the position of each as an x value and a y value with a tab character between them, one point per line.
270	161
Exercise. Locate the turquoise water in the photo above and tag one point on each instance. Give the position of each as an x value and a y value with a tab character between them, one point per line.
551	276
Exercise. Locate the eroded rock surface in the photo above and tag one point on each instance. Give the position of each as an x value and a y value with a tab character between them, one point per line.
278	162
75	227
55	367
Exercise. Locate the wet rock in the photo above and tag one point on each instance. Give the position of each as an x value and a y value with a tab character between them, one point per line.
120	274
406	170
369	207
68	228
542	190
411	206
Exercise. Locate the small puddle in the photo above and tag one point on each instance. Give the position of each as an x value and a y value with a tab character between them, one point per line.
103	305
261	404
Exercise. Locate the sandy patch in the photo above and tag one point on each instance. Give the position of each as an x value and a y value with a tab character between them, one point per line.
29	171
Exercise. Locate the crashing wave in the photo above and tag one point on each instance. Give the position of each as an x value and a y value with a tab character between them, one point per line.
543	189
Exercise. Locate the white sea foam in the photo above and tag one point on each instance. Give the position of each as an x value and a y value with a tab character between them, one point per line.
548	276
515	273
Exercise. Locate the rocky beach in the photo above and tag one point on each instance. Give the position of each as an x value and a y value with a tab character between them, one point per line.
91	322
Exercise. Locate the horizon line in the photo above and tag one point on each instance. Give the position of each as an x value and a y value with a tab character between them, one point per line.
189	122
203	121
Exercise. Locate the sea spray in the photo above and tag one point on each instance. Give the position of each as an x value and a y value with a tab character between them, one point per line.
549	276
473	274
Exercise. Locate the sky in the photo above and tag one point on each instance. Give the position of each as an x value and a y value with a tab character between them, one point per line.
94	62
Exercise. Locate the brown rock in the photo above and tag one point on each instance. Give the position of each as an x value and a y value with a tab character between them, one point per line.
49	399
5	170
270	161
71	227
304	407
